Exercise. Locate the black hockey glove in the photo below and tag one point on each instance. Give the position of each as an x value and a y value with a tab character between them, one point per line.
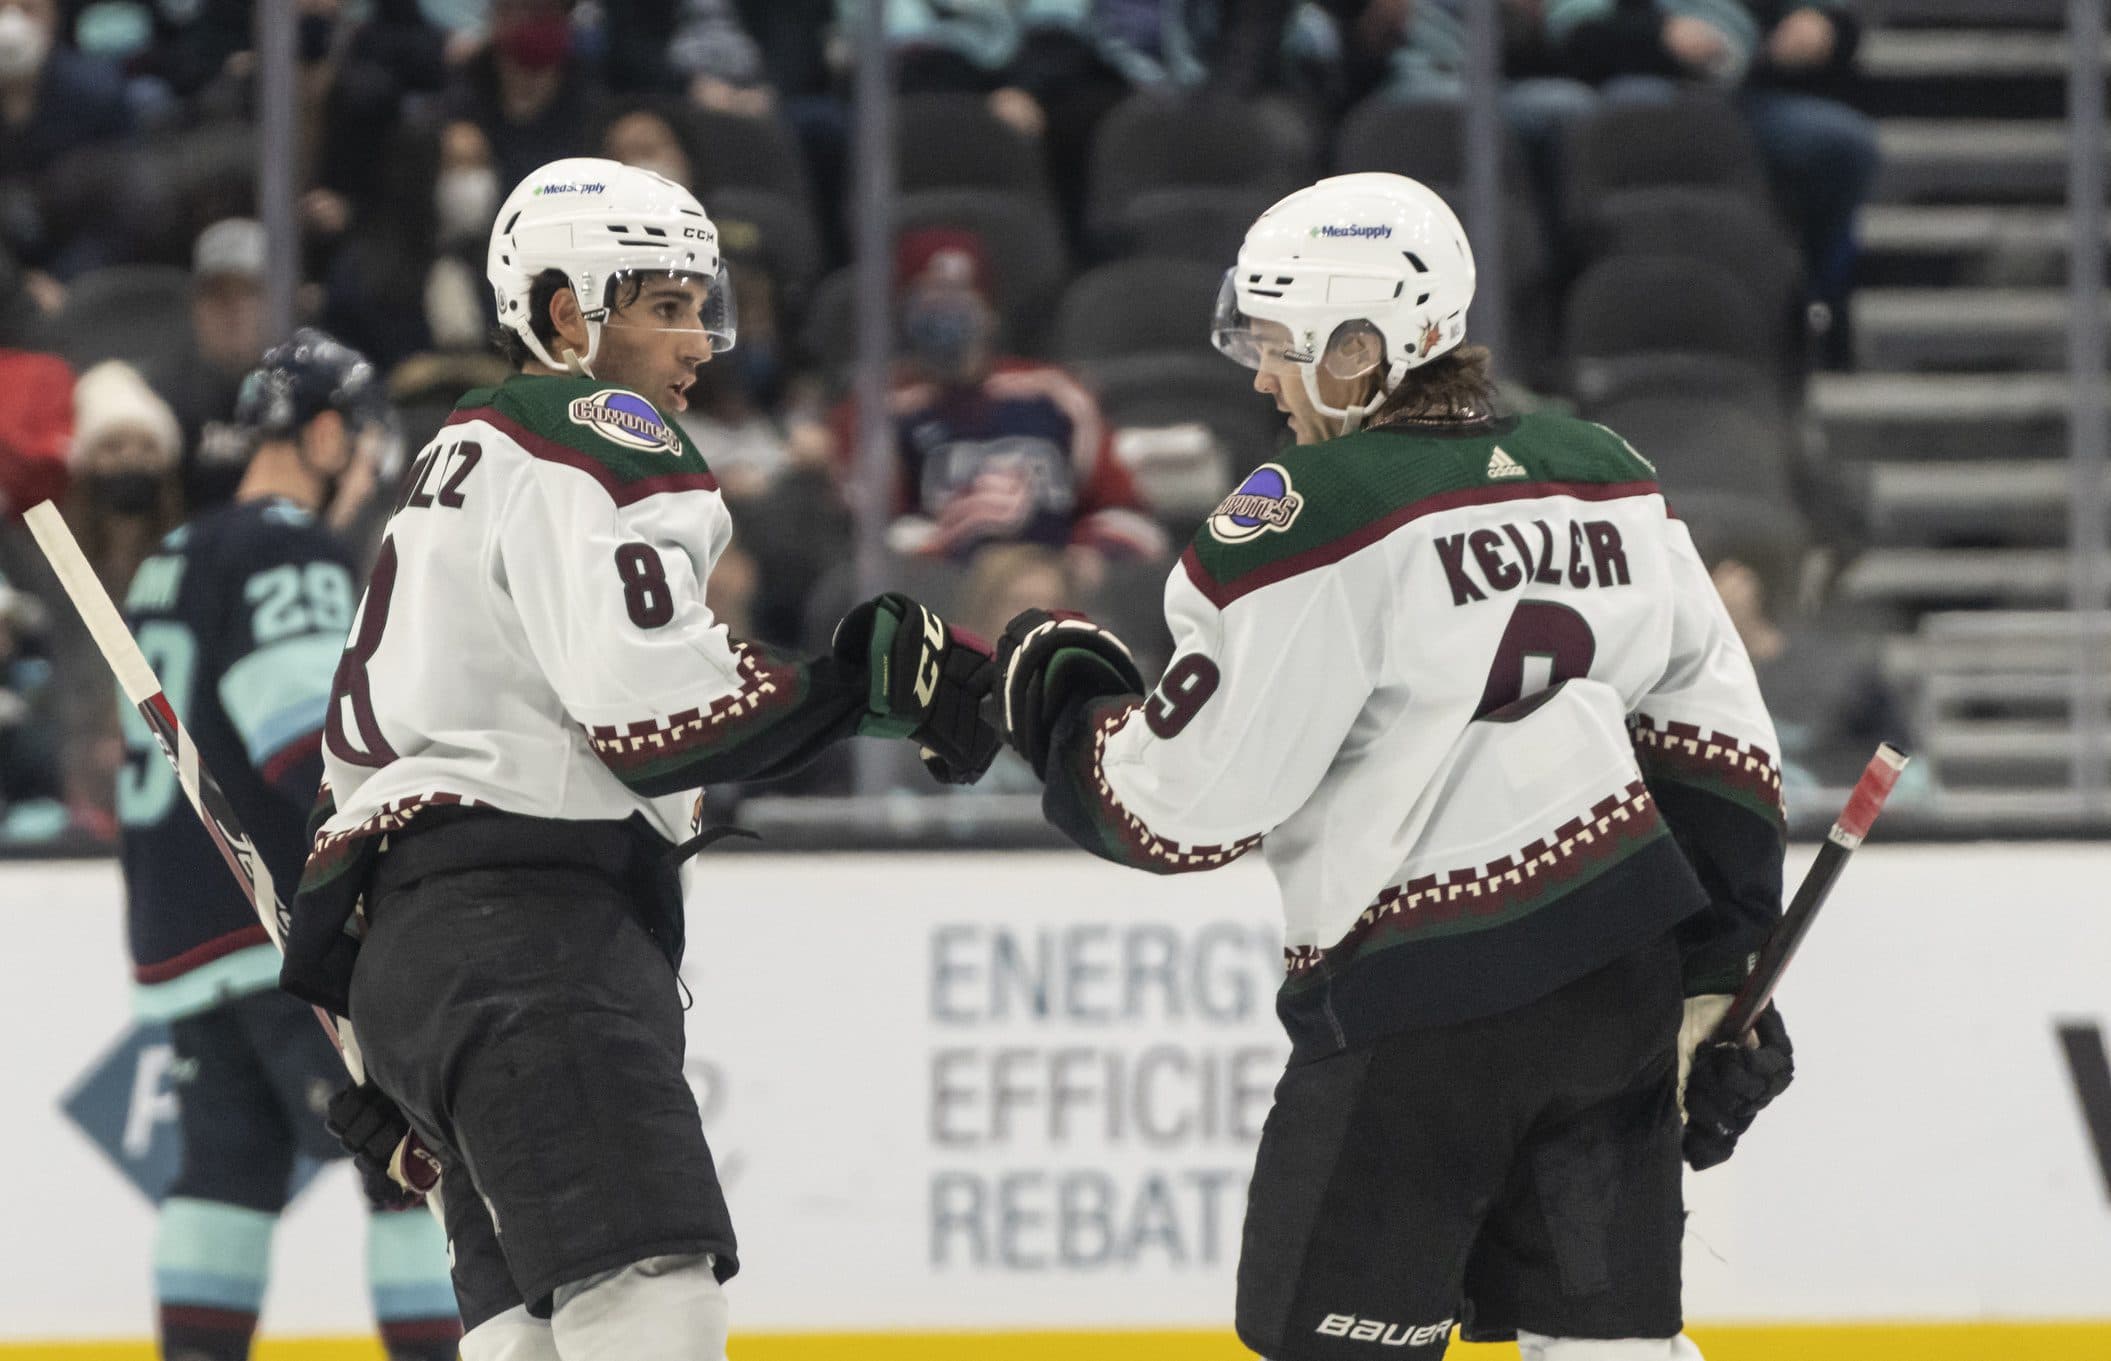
1730	1084
926	680
1047	662
395	1166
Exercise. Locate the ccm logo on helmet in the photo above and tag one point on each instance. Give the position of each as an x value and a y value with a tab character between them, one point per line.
1384	1334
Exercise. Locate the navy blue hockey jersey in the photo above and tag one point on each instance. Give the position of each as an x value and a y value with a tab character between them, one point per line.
242	614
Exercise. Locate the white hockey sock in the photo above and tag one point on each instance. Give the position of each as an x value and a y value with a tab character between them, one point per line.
512	1336
1533	1347
660	1309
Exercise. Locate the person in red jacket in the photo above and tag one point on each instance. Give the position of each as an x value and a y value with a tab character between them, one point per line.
36	428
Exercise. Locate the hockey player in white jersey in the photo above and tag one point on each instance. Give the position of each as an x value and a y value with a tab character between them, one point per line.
533	690
1464	684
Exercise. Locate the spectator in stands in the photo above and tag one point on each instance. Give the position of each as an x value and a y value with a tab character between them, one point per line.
993	449
1824	686
36	428
527	92
1777	55
944	44
644	138
378	66
1077	59
409	279
718	62
1428	62
126	493
193	43
52	99
227	332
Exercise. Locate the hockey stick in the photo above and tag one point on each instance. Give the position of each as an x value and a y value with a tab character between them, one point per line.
143	689
1847	832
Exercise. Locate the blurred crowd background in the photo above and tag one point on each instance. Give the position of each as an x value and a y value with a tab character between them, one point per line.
1692	192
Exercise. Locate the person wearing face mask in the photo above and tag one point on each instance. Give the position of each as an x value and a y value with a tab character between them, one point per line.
991	449
244	611
52	99
525	92
124	493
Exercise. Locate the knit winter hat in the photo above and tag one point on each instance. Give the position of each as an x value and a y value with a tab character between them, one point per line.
111	397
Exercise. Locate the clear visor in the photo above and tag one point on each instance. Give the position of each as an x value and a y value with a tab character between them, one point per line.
660	300
1354	349
1255	342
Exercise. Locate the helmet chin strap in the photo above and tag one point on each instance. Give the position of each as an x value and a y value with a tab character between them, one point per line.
1351	417
571	361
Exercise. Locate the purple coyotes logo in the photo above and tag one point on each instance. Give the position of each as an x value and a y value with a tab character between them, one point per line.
625	418
1264	501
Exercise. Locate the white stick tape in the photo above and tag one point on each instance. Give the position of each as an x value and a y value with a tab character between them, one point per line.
98	611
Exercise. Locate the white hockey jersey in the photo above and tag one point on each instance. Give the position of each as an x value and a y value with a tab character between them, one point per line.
1473	694
534	636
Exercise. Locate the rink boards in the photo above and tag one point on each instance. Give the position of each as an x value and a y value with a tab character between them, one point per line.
962	1099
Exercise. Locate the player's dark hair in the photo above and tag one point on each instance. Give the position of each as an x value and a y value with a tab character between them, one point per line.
1455	386
544	288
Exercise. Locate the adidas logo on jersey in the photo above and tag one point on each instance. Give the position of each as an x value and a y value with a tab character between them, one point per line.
1502	465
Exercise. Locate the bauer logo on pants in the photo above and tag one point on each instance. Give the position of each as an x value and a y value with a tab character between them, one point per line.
626	419
1264	501
1384	1334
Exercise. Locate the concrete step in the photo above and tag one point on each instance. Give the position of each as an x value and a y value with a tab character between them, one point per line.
2008	742
1941	72
1936	245
1881	14
2020	502
1953	577
1965	54
1878	417
1973	160
1962	328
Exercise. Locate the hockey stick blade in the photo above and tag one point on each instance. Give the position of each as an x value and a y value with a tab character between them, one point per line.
1848	830
99	612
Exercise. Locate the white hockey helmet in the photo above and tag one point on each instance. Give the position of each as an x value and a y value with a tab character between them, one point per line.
599	221
1352	257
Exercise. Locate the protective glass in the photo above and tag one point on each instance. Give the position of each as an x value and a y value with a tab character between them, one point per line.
631	302
1251	341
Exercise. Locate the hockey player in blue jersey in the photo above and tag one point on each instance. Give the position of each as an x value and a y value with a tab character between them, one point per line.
243	612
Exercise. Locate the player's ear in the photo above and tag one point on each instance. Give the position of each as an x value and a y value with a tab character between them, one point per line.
568	321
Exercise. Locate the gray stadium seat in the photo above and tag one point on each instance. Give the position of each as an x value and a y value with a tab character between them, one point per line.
781	231
1651	304
137	313
1707	444
1421	139
733	151
1169	389
1716	226
1153	145
1675	374
1696	141
953	141
1135	306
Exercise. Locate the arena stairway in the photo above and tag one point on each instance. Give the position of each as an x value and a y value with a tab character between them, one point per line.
1952	431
